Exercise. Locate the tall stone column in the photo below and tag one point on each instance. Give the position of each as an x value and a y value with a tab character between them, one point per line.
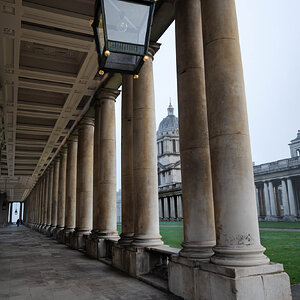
285	201
128	203
238	241
291	197
105	217
55	194
10	212
257	201
71	178
42	201
197	196
84	191
272	199
49	204
20	213
45	212
146	229
267	199
61	203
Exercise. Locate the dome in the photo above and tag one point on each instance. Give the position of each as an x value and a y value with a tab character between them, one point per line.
170	122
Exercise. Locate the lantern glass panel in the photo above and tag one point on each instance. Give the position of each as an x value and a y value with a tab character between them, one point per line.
126	22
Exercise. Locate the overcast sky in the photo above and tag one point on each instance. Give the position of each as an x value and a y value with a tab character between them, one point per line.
270	44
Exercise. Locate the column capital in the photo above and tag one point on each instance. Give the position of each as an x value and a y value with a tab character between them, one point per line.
86	120
73	137
64	149
106	94
153	48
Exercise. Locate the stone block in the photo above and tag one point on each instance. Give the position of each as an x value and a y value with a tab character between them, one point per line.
191	279
78	241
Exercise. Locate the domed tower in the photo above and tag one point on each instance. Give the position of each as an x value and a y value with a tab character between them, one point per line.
168	155
295	146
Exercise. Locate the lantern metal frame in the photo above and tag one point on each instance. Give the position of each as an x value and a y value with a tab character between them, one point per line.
105	50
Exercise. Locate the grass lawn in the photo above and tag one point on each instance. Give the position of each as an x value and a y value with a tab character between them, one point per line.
282	247
262	224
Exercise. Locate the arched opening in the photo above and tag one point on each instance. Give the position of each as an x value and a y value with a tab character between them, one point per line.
298	152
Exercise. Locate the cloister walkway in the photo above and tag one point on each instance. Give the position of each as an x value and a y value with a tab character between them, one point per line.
33	266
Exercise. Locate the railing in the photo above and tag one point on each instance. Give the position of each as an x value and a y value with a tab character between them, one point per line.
279	165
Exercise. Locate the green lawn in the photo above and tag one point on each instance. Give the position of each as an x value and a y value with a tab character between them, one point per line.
262	224
267	224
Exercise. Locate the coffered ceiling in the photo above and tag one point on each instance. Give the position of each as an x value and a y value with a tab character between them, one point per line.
48	76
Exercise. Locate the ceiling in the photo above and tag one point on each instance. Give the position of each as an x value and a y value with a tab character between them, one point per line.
48	77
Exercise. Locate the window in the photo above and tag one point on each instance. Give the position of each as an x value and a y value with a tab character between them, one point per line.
298	152
162	147
174	146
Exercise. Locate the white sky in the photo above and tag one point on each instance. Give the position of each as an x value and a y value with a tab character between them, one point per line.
270	44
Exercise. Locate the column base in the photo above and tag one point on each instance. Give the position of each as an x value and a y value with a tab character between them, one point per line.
240	256
193	279
135	261
144	240
78	239
197	250
50	231
59	234
67	232
126	238
97	246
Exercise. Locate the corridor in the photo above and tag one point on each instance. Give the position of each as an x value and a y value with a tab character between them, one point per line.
34	266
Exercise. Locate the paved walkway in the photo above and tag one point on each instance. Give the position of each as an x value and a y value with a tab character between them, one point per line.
33	266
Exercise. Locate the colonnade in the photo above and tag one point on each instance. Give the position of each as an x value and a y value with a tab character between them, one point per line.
219	207
276	199
170	207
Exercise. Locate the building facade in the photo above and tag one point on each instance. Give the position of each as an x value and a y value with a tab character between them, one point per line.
169	168
277	184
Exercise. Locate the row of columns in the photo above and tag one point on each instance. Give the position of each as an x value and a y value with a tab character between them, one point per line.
170	208
219	208
270	195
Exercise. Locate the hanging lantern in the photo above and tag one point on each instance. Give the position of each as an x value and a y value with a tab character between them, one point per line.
122	34
16	212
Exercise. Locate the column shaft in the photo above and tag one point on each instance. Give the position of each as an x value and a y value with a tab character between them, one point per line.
238	241
291	197
198	212
71	178
146	229
55	192
62	189
105	217
128	203
50	190
285	203
84	195
272	199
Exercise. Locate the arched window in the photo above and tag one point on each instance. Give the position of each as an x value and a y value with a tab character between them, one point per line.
298	152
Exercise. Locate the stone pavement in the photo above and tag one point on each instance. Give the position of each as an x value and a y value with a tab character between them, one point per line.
33	266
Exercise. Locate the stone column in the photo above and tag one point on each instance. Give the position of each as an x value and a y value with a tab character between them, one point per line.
198	211
166	208
61	202
84	190
179	207
105	217
267	199
291	197
161	213
146	229
272	199
55	194
172	208
238	241
128	203
21	209
285	203
10	212
49	205
257	201
45	221
71	178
